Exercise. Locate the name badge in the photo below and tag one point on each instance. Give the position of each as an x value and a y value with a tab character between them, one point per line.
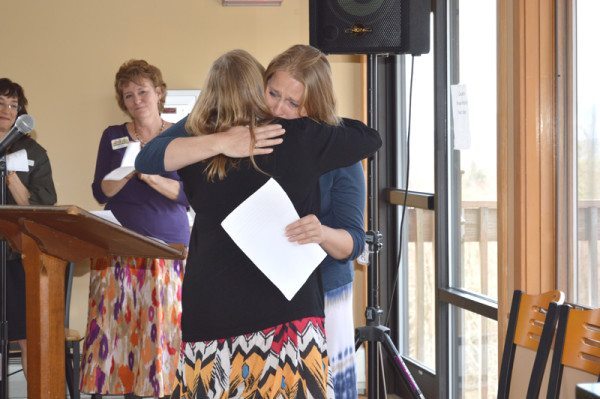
121	142
31	163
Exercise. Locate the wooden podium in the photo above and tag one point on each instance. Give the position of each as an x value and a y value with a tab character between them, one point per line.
49	237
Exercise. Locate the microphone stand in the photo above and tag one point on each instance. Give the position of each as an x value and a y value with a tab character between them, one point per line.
23	125
3	275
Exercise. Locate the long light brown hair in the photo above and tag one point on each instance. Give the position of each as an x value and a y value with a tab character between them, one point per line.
233	95
310	67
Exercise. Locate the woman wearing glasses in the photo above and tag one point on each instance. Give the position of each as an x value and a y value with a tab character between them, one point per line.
32	187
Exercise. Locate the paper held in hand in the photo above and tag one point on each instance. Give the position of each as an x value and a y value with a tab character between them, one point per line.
127	163
17	161
257	226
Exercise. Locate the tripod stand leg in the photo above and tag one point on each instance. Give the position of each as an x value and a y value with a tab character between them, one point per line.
401	367
379	333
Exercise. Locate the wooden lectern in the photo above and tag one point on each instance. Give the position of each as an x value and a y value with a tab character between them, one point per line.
49	237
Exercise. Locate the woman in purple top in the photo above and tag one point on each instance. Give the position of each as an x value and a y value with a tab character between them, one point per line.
133	332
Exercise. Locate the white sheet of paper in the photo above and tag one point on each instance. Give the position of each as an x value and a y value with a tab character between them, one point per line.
106	215
17	161
257	226
460	116
127	163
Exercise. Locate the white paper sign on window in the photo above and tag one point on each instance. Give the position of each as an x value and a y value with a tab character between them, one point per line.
460	116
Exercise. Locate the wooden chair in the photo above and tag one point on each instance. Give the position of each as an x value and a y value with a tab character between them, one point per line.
531	325
14	352
73	361
576	351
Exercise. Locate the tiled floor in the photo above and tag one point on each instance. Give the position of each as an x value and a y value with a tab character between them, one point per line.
17	386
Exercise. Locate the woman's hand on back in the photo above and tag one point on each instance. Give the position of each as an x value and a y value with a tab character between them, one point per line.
235	142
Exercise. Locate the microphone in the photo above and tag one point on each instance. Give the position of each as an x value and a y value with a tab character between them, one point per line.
23	125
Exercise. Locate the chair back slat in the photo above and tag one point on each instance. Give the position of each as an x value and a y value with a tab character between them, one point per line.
582	341
532	322
532	316
576	352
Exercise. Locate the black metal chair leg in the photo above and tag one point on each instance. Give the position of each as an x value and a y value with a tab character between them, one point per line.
76	364
69	370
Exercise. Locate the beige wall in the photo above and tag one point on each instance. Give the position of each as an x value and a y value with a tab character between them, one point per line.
65	53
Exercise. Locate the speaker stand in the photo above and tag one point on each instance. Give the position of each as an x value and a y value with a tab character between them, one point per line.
374	332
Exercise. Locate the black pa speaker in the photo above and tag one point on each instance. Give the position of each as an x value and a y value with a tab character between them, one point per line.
370	26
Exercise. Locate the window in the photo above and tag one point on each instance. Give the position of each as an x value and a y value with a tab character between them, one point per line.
474	172
419	280
583	279
450	252
471	222
475	374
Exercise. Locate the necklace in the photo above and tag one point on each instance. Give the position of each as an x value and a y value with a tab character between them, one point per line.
138	138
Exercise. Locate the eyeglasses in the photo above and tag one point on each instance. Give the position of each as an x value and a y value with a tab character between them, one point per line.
10	107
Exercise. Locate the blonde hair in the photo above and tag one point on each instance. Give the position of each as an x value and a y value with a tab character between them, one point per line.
310	67
134	71
233	95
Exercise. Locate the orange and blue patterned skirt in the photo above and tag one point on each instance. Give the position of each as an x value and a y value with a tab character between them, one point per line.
133	333
287	361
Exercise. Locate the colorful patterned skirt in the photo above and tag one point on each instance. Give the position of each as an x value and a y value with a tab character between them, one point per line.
340	341
133	332
287	361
